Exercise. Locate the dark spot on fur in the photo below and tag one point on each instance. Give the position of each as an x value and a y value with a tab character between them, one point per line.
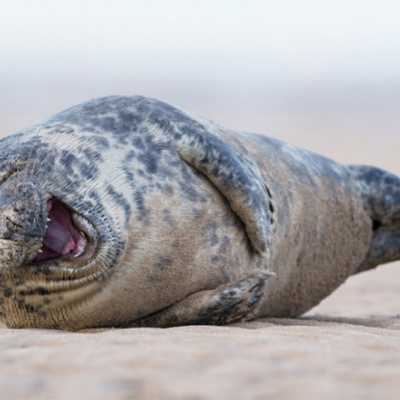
163	263
210	234
67	160
93	195
130	177
225	243
168	218
150	161
37	290
188	191
121	201
139	201
130	156
101	142
92	155
29	308
138	142
88	170
214	259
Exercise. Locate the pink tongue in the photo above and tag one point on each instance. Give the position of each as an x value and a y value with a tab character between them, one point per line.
58	239
61	236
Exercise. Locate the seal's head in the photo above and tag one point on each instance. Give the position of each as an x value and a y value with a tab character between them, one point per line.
37	228
58	241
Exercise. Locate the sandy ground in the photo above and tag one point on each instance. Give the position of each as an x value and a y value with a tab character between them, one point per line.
346	348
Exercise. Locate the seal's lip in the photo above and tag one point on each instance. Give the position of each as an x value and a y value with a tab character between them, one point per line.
68	236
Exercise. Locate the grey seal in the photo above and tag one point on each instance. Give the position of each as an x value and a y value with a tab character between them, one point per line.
128	211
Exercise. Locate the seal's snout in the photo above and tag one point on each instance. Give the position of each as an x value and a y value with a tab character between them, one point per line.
23	211
22	221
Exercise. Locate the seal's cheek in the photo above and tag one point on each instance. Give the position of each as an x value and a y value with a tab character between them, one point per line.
176	251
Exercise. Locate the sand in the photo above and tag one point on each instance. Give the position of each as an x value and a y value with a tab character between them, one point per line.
346	348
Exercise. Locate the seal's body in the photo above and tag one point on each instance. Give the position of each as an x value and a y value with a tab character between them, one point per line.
127	211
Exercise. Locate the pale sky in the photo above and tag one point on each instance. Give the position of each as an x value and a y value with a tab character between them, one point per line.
299	39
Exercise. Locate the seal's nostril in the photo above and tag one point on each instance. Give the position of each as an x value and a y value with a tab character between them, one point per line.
13	222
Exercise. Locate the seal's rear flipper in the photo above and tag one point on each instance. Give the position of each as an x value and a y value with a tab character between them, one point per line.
380	194
384	248
224	305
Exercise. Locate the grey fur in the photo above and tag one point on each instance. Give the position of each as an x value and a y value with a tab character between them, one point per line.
185	220
380	193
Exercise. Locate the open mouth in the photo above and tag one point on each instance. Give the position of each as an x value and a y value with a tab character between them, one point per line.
62	236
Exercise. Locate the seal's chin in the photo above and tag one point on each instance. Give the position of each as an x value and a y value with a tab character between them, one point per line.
62	236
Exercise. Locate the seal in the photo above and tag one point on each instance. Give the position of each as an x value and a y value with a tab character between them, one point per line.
128	211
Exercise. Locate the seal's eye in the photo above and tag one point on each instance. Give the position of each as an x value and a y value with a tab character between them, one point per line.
61	236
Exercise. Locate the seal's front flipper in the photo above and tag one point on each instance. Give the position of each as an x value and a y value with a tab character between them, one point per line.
224	305
380	193
236	176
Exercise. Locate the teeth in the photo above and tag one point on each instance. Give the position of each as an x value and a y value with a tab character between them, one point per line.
40	251
48	219
81	247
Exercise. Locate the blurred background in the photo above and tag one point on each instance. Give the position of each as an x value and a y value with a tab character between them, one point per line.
324	75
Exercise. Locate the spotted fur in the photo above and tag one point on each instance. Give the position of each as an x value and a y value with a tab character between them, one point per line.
185	217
